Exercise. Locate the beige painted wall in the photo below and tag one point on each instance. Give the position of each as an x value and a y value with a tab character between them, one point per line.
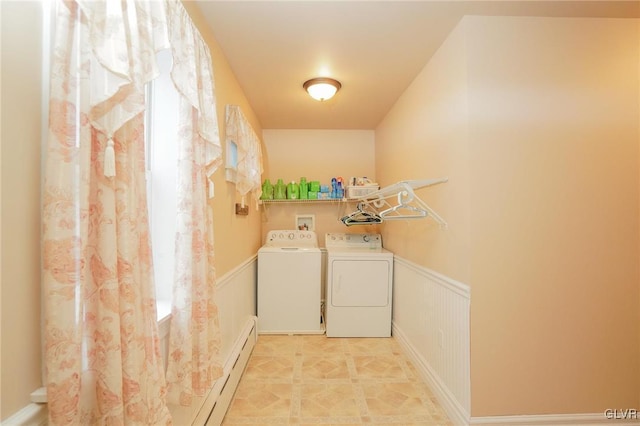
544	221
237	238
319	154
316	155
424	136
555	164
21	126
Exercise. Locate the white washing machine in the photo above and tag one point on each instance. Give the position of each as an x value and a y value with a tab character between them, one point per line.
359	286
289	283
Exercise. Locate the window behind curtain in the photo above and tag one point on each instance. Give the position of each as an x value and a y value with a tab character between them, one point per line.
160	138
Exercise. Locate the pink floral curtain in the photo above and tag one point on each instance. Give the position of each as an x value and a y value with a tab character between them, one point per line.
101	340
195	338
103	364
194	343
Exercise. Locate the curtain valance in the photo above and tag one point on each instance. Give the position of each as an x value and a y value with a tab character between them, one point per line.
124	37
249	167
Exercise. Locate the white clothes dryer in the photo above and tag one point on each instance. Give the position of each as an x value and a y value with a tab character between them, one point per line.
359	286
289	283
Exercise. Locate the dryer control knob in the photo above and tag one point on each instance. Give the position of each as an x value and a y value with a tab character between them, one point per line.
292	236
365	238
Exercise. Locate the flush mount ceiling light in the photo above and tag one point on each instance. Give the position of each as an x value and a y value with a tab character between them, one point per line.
322	88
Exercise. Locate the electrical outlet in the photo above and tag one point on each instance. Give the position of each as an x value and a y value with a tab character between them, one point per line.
441	339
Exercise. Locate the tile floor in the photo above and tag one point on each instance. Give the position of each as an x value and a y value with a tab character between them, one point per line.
315	380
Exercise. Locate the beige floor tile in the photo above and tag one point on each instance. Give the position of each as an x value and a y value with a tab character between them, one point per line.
315	380
378	367
325	367
275	344
270	367
328	400
258	399
393	399
409	369
321	345
382	345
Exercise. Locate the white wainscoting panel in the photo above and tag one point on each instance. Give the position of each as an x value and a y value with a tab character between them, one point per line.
236	293
431	322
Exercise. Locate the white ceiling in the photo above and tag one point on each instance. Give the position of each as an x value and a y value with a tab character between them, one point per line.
374	48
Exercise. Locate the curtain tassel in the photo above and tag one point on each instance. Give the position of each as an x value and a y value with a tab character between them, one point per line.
109	159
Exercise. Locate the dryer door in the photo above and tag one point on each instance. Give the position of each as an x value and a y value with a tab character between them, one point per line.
360	282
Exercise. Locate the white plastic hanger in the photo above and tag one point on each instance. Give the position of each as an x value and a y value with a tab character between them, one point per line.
409	205
395	212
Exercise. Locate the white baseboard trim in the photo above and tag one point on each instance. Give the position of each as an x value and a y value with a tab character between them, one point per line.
456	413
31	415
553	420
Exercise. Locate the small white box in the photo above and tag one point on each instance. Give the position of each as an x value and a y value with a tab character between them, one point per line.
361	190
306	222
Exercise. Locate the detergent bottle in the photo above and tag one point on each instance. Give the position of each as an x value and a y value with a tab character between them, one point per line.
304	188
293	192
267	190
279	191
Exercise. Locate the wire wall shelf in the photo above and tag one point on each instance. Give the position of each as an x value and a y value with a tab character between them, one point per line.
308	201
397	201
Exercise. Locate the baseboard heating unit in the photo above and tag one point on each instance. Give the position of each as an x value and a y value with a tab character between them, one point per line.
215	406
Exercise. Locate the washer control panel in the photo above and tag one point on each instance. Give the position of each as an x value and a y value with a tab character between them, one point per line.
291	238
356	241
